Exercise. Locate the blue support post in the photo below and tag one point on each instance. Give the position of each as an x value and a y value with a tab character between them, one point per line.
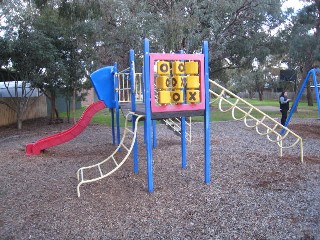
183	143
116	85
205	50
112	126
143	84
146	74
295	104
183	133
143	100
154	131
133	109
316	89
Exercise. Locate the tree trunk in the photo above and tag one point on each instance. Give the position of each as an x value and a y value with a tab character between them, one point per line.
20	113
54	111
68	107
260	92
19	123
306	68
53	107
309	95
74	105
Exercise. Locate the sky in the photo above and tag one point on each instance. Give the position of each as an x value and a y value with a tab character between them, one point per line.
295	4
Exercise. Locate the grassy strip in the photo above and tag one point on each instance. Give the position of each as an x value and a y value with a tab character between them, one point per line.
304	111
101	117
275	103
217	115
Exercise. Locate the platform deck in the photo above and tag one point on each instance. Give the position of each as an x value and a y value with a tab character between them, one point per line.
140	109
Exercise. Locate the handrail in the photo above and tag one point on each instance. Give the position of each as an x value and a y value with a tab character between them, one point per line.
125	88
233	106
117	164
174	124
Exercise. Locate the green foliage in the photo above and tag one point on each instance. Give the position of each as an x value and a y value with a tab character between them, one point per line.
303	41
68	39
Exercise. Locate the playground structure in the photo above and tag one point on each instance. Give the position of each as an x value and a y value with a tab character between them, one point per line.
171	96
177	89
313	73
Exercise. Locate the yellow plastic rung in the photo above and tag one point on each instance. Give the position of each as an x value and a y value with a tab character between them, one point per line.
178	82
192	68
193	96
163	82
178	67
164	97
177	96
193	82
163	68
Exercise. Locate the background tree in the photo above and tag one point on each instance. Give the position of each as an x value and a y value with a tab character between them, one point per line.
26	54
303	39
84	35
71	28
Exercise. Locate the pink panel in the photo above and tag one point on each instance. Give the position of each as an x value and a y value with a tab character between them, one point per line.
177	107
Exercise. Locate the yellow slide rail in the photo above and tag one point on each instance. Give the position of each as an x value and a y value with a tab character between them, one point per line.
272	128
113	162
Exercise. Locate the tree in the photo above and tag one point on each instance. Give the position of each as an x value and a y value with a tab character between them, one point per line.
239	31
27	54
17	87
303	39
73	35
33	55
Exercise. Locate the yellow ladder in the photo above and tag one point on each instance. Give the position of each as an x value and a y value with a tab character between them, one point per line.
269	131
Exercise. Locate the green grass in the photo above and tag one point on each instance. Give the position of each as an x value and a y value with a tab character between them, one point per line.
304	111
101	117
275	103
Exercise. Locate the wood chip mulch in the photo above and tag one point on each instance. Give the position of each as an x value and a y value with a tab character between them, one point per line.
253	194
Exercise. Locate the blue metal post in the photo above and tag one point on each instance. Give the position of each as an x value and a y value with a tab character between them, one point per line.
143	98
154	131
116	85
183	143
295	104
207	113
183	133
112	126
145	131
133	109
316	89
146	74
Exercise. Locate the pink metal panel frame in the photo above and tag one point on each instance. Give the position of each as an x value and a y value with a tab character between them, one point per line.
177	107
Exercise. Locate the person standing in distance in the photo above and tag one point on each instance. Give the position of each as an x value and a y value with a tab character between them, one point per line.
284	106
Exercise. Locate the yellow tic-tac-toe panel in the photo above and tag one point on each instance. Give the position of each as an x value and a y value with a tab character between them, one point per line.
177	82
193	96
191	67
163	68
178	67
163	82
164	97
193	82
177	96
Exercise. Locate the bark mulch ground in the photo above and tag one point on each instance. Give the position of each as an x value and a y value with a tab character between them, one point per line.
253	194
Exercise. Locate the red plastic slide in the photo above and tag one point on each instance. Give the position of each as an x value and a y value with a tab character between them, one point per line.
65	136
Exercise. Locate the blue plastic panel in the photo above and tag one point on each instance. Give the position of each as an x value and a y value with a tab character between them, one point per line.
103	83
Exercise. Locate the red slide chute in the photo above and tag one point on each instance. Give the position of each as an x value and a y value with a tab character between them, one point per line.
65	136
